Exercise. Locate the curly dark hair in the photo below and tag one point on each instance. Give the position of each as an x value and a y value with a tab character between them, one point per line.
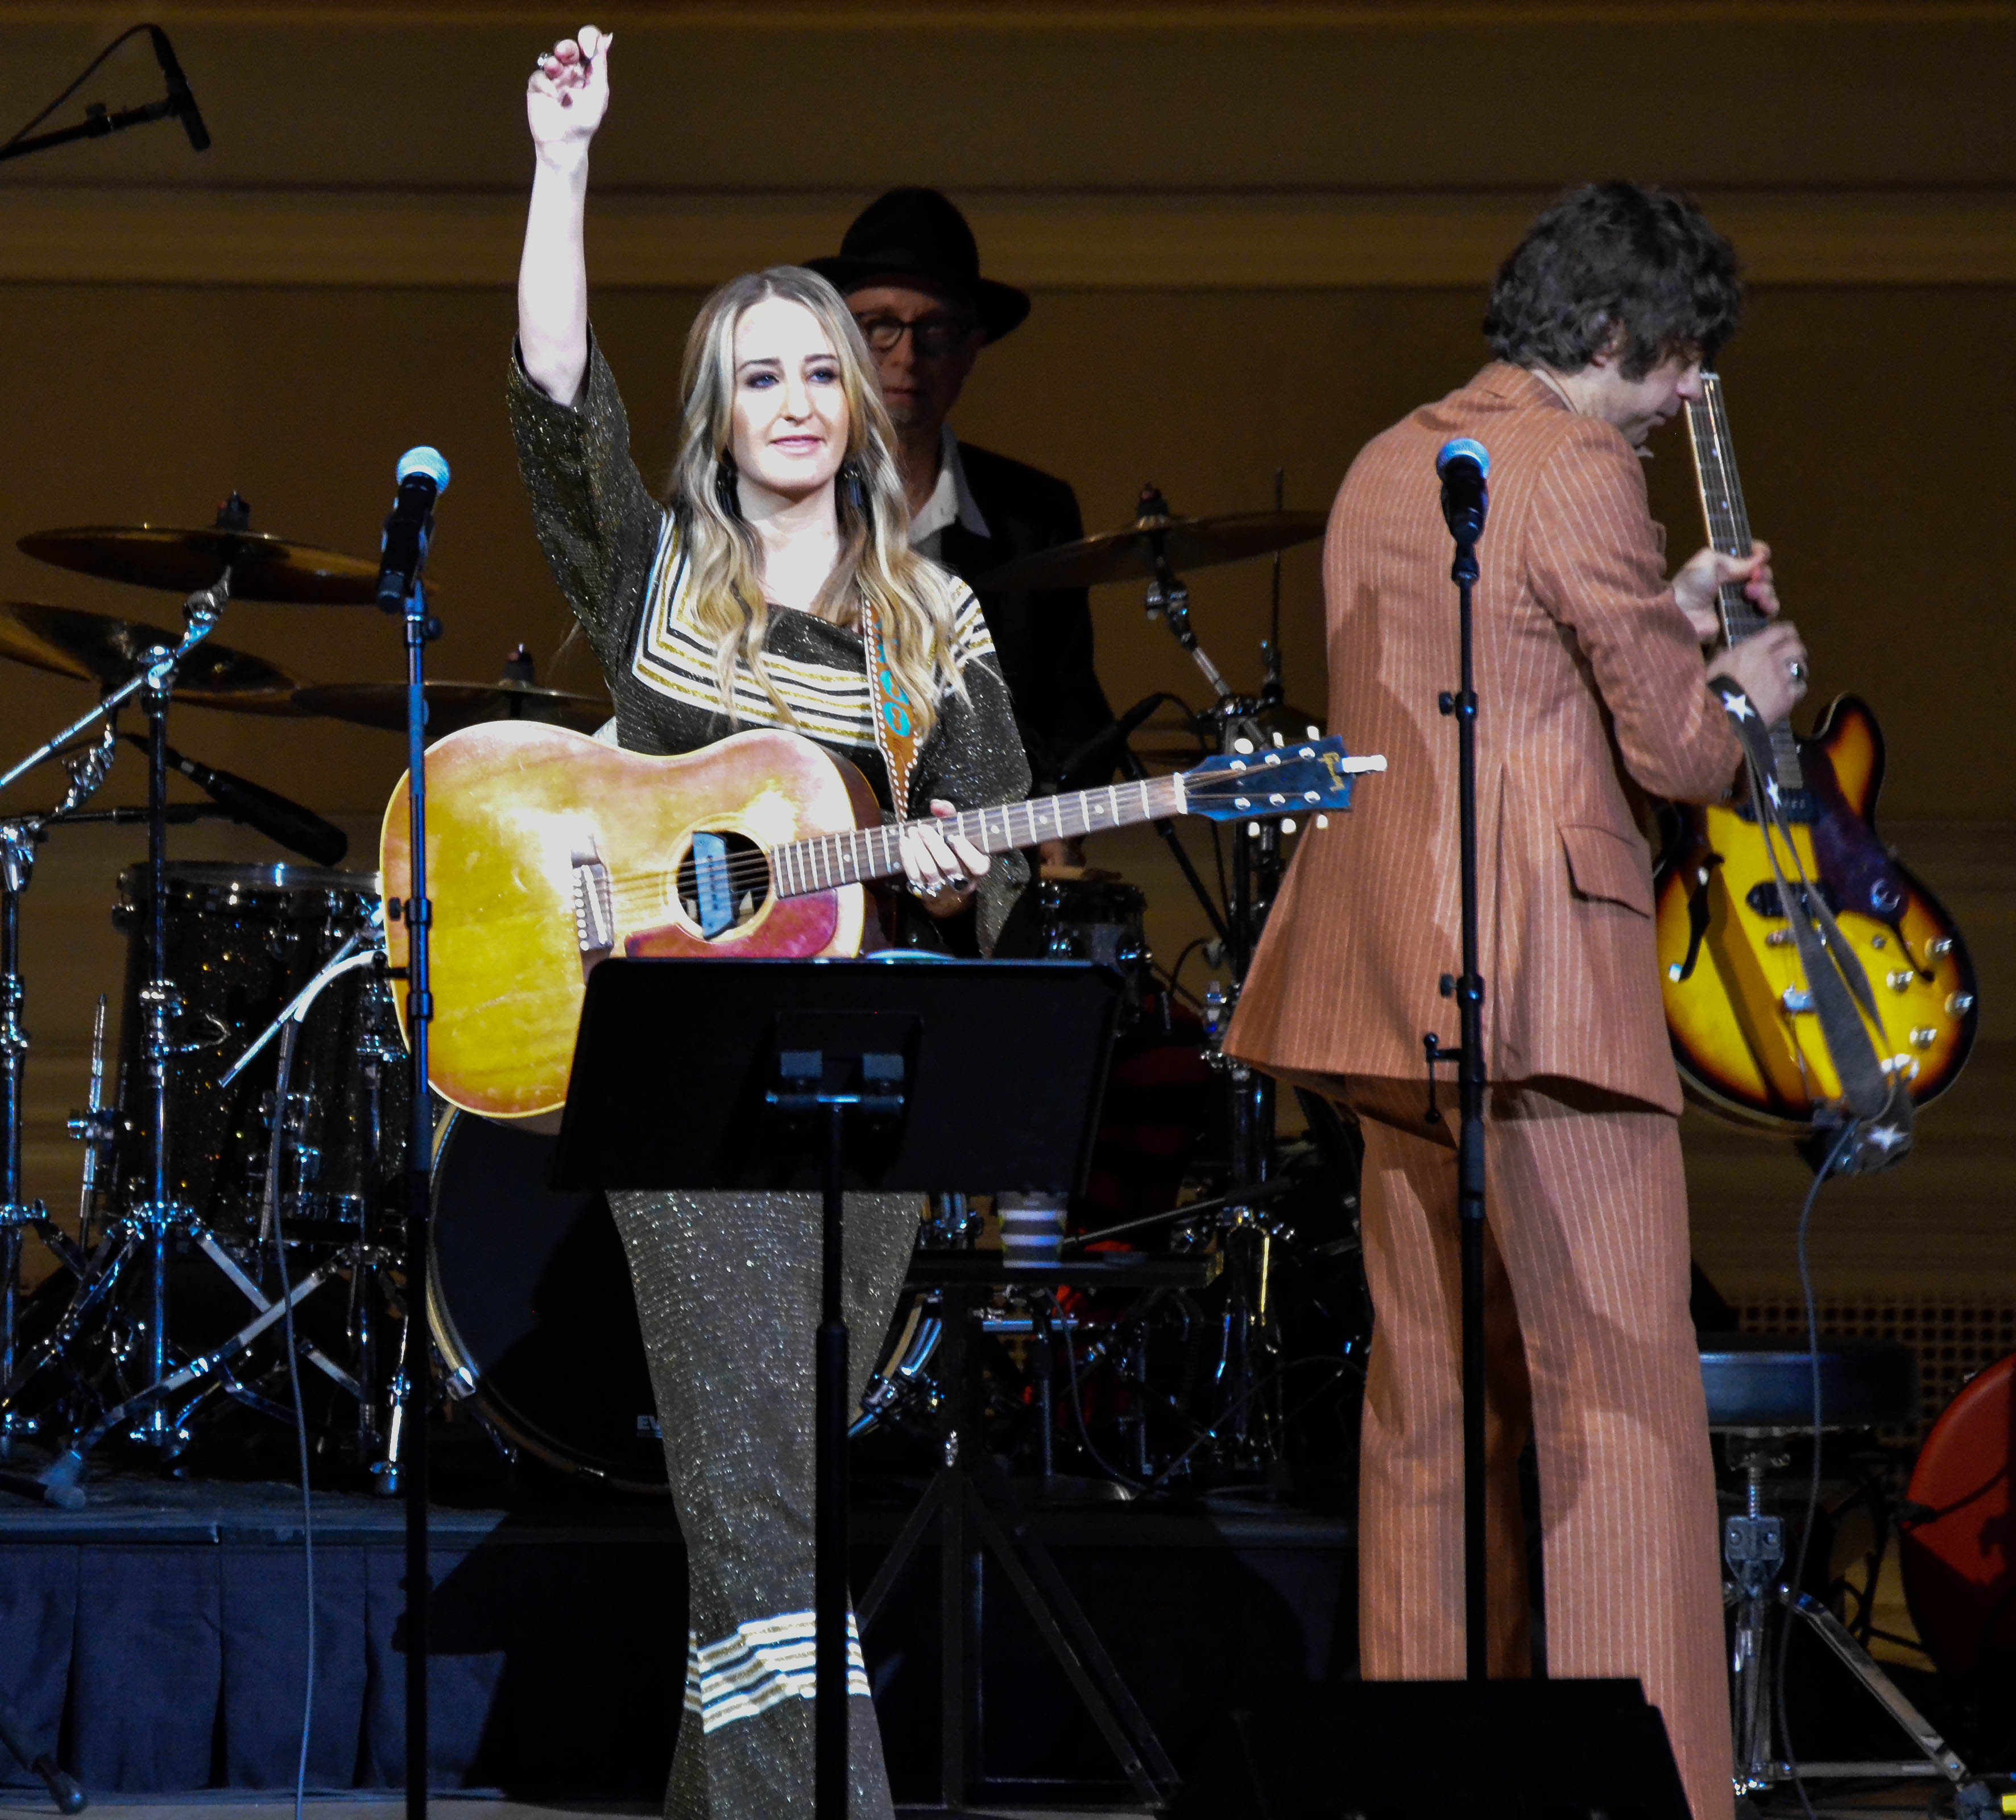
1615	267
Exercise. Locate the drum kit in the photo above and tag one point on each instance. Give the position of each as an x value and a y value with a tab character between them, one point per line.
228	1176
239	1184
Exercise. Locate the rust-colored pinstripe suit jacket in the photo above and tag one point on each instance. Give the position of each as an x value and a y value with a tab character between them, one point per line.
1587	673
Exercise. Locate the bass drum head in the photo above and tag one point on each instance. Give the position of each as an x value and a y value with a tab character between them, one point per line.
529	1297
1959	1575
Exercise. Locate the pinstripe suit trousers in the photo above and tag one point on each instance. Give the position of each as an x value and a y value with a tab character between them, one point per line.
1591	1348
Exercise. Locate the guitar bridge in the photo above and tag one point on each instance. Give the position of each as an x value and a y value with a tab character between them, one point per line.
594	905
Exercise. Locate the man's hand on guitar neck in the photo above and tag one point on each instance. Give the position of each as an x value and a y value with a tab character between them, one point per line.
1704	575
1770	669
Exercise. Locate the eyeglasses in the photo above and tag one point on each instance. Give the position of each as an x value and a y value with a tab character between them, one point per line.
932	336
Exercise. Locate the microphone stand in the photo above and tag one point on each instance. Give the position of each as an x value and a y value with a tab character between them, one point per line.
1468	1056
411	1386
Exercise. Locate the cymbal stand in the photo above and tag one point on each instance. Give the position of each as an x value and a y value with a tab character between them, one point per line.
18	839
1246	1341
160	1212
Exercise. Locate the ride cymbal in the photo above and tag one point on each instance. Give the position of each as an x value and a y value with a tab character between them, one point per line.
94	647
1130	555
452	706
262	568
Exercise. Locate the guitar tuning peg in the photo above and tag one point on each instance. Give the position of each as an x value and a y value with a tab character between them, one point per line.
1242	745
1313	731
1323	821
1288	824
1279	740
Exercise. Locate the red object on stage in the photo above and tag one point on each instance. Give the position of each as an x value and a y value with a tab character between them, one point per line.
1960	1578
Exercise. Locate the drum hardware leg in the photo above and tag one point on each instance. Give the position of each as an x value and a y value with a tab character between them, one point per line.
64	1481
388	1471
207	1244
971	1500
1753	1552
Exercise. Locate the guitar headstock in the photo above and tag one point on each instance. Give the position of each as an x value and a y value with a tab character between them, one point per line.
1308	777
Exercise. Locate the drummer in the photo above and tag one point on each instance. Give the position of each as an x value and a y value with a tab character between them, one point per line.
909	270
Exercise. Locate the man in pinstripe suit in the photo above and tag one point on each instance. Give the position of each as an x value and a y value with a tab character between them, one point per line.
1593	685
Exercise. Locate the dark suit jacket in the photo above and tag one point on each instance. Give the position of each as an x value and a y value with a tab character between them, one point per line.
1044	639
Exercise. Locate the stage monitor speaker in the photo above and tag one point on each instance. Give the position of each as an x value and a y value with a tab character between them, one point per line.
1436	1750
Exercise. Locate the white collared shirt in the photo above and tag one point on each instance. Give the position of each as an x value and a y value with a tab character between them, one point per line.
951	502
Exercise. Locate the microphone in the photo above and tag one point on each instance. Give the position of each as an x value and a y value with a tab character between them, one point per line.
181	100
299	830
1462	465
423	476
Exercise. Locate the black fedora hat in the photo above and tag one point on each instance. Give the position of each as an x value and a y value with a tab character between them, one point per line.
921	232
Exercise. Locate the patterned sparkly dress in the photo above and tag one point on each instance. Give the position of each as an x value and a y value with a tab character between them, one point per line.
727	1284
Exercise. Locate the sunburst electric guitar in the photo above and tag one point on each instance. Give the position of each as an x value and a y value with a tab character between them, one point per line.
1737	1003
548	851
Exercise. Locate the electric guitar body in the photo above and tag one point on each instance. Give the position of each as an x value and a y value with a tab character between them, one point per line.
548	851
1738	1005
1735	990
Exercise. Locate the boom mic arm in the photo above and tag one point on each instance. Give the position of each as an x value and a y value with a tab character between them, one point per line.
181	99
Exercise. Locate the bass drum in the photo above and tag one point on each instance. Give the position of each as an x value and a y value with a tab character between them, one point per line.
1959	1569
529	1297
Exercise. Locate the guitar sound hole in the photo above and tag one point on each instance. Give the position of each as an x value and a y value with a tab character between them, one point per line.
723	880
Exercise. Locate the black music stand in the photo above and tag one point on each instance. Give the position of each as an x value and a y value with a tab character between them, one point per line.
959	1076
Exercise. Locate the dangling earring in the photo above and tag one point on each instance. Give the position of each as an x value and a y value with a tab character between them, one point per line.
855	484
727	493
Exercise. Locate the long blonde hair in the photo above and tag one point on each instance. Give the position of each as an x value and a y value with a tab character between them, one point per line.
912	601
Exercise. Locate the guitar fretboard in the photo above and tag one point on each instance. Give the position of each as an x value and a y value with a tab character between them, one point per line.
1729	532
858	855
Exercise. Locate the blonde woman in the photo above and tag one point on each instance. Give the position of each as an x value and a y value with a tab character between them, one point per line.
736	601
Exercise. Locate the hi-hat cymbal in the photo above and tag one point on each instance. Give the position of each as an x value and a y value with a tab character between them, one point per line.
97	648
262	568
451	706
1129	555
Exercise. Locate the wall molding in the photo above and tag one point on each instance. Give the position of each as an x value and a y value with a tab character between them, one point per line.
1055	240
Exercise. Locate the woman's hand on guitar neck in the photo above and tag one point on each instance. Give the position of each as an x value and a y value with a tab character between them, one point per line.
943	870
566	97
1708	571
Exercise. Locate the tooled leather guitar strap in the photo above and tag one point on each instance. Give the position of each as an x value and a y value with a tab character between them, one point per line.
895	723
1880	1101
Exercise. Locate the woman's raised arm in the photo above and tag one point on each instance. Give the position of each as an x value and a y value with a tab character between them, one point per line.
565	102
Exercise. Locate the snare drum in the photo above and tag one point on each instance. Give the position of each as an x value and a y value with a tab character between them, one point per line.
242	941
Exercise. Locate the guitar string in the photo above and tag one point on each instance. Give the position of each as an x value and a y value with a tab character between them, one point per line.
746	870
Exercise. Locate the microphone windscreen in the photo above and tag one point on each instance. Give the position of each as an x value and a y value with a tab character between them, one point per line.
428	462
1455	449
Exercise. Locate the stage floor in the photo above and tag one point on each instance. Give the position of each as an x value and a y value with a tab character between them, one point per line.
157	1637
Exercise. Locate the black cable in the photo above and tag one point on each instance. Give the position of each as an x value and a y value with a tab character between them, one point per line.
1842	1145
284	1075
130	32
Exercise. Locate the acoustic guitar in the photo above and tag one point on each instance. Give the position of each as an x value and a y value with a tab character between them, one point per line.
1738	1003
548	851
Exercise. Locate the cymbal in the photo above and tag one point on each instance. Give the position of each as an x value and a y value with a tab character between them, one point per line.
262	568
1129	555
97	648
452	706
